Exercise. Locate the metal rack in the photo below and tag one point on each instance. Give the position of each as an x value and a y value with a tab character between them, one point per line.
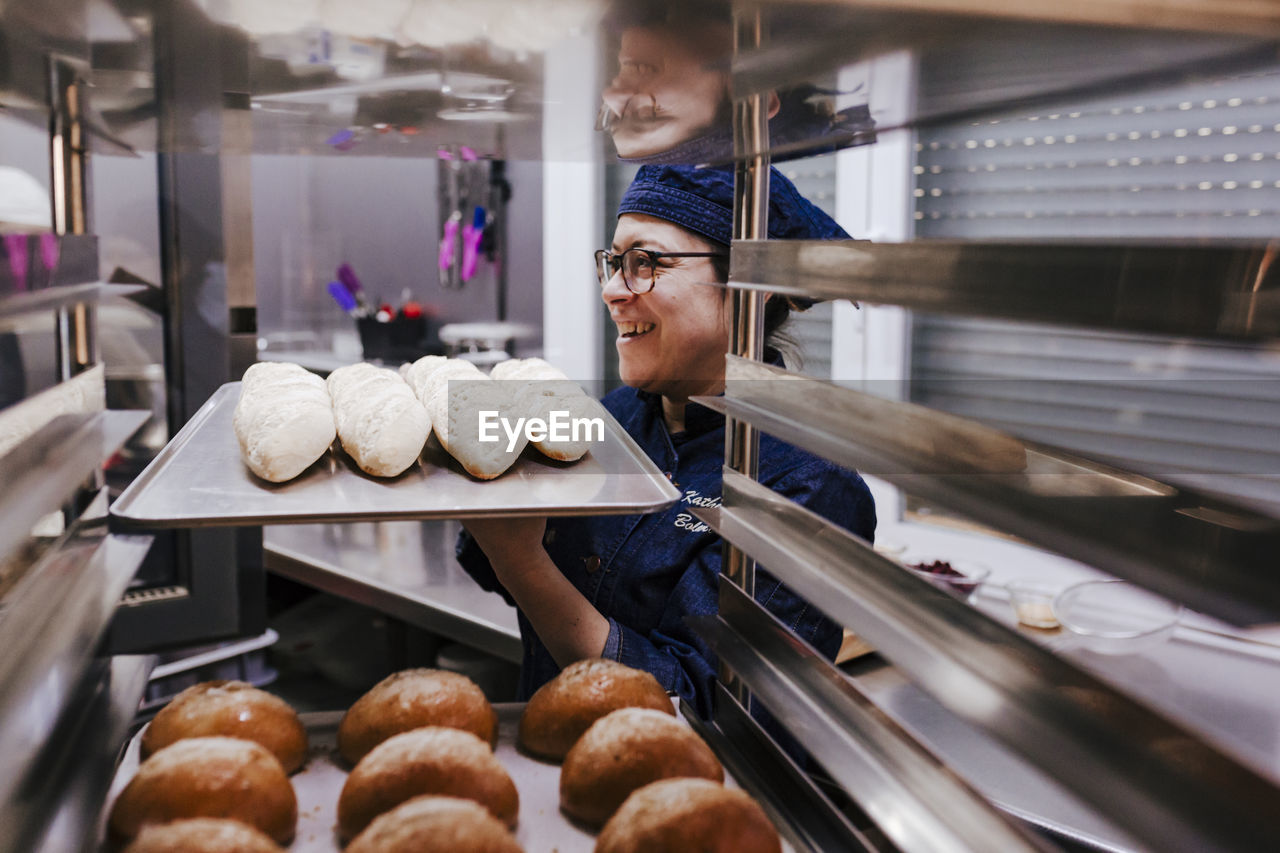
1166	784
1162	781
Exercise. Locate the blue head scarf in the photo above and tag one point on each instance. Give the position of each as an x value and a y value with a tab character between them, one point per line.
701	200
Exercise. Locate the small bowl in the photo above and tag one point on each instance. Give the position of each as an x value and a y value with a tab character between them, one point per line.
1032	603
962	585
1115	617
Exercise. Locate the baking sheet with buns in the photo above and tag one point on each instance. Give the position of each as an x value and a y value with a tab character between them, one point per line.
541	826
200	480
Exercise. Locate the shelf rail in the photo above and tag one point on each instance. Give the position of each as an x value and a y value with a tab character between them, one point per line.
1216	291
1211	555
1165	786
911	795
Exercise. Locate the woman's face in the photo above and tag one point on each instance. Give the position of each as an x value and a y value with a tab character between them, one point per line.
664	94
671	340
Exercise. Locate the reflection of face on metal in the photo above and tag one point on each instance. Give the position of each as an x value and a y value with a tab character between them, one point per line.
667	90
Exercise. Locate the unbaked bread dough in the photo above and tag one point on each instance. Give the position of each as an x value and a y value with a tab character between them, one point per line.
380	422
283	420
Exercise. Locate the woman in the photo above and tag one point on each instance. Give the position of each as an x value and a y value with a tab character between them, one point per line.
622	587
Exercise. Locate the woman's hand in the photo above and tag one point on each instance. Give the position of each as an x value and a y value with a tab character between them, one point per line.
511	544
568	624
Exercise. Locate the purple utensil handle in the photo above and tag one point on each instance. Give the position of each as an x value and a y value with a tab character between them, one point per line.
15	245
470	250
342	296
50	250
446	243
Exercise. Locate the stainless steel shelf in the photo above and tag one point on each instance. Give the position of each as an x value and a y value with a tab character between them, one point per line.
1046	55
43	471
51	298
405	569
1217	558
1246	17
1210	291
51	626
915	799
1169	788
70	818
801	812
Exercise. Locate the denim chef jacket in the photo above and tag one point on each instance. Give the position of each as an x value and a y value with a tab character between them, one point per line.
648	573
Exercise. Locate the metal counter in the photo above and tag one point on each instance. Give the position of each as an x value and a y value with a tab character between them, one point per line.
403	568
1223	688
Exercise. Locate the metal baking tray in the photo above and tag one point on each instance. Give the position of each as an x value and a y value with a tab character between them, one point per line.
199	480
541	824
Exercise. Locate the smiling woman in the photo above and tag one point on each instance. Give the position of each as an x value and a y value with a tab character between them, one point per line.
624	587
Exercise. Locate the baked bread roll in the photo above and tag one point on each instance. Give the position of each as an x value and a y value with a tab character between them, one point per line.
626	750
412	699
230	709
582	693
431	760
455	408
202	835
380	422
208	777
436	825
688	814
283	420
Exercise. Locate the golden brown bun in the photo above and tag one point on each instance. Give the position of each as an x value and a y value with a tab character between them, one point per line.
202	835
433	760
676	815
410	700
582	693
208	777
626	750
436	825
230	709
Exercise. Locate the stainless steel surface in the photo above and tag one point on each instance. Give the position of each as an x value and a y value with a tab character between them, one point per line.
911	795
1210	291
406	569
1168	787
1249	17
91	756
1011	782
69	161
614	478
42	473
750	222
799	810
1039	62
51	625
61	296
1212	556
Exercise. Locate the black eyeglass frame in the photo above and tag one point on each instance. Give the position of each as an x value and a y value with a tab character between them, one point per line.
609	264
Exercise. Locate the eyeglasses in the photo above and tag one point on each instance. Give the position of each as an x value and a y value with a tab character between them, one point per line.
638	266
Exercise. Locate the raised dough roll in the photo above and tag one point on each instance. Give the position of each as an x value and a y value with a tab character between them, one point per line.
456	410
422	368
283	420
541	388
380	422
